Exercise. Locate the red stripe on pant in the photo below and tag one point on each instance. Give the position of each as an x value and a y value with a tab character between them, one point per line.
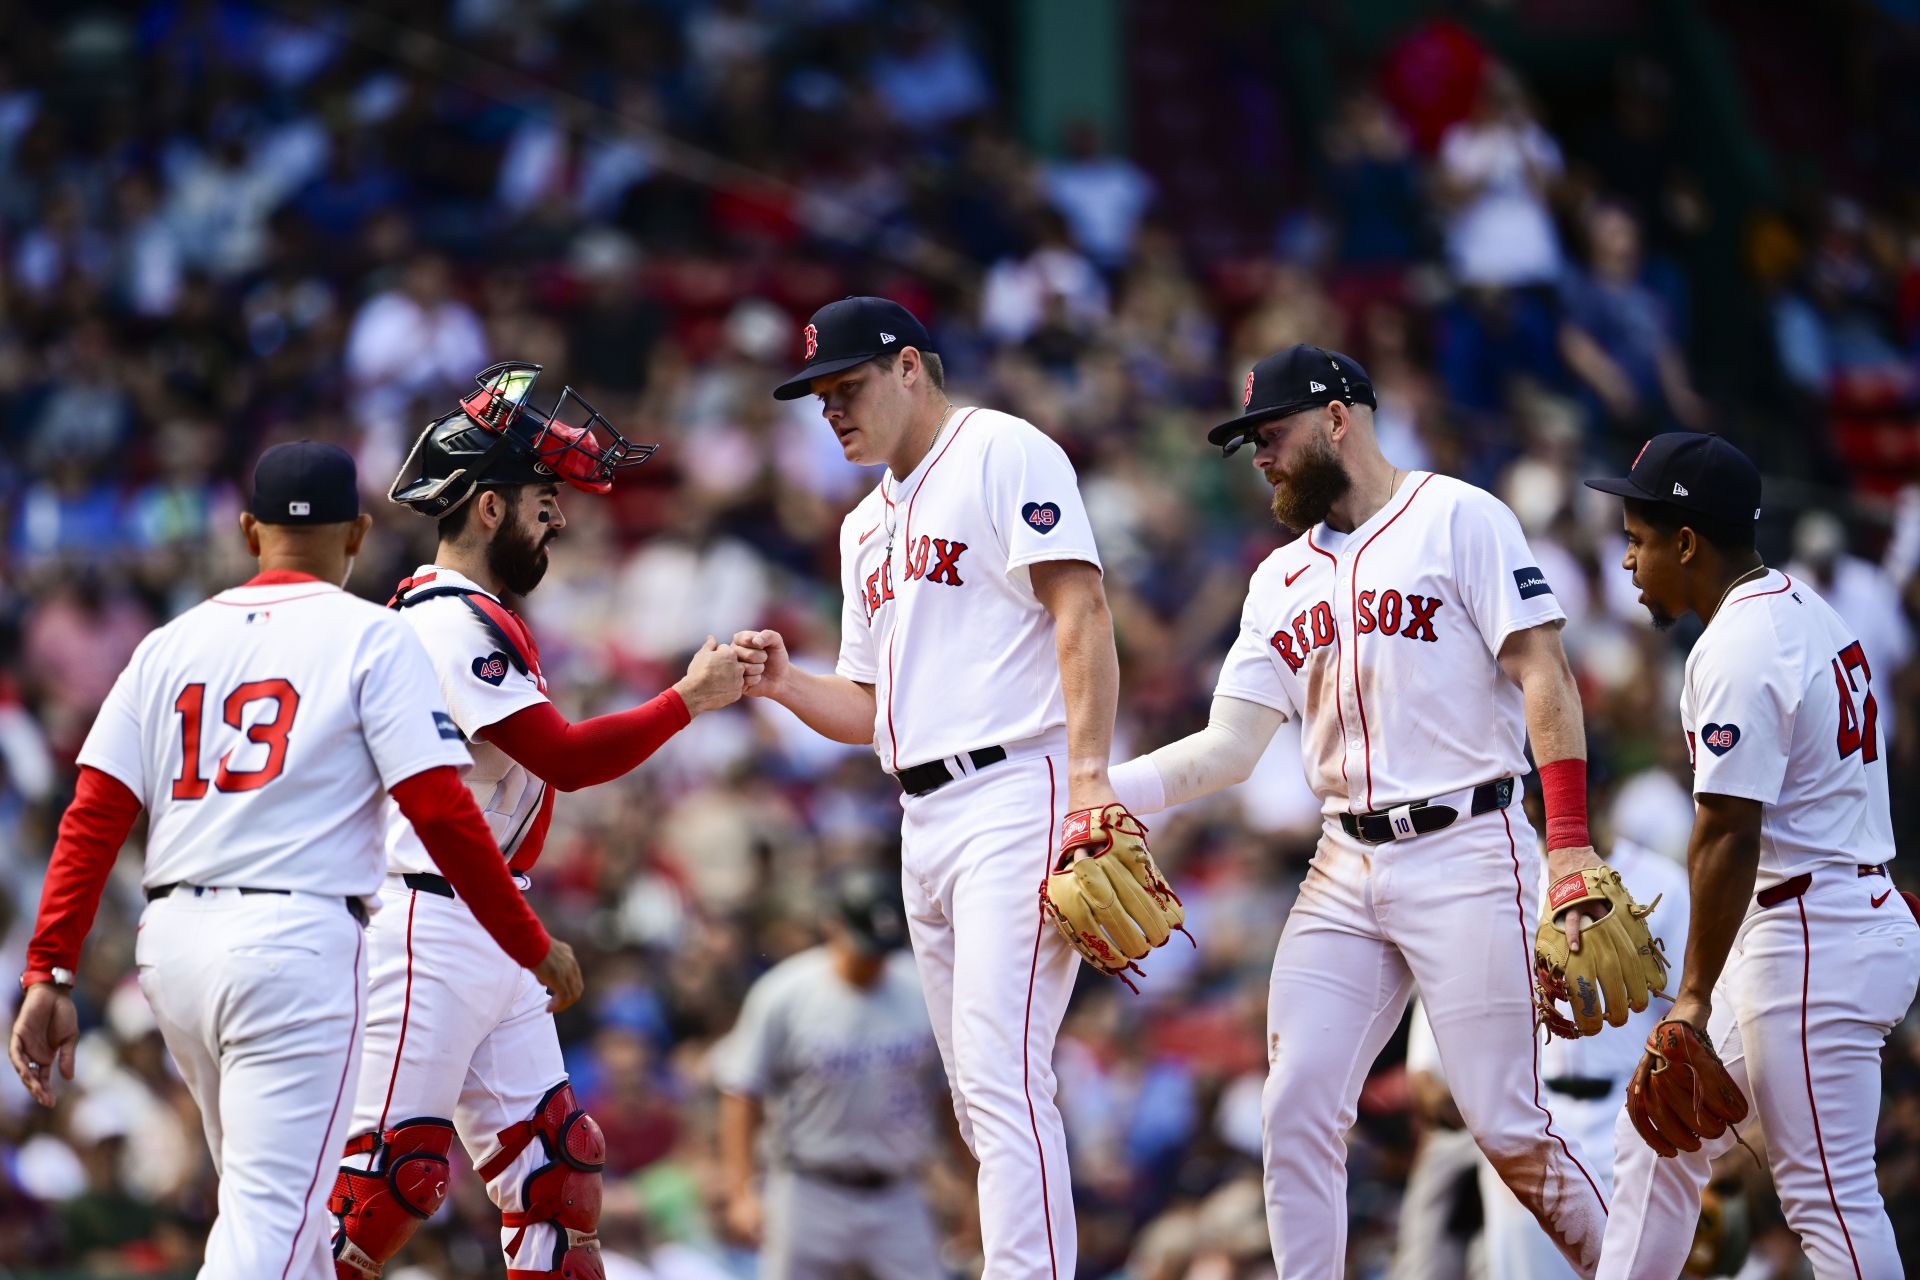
1806	1061
327	1157
1526	943
1026	1035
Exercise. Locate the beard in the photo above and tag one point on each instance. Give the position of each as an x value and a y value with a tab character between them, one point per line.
517	557
1661	619
1303	496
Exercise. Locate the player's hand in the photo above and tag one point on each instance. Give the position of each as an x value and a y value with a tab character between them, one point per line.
559	973
1564	862
744	1219
763	654
714	678
44	1034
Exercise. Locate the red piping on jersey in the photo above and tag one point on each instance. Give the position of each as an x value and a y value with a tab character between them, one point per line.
406	1016
1340	649
263	604
1755	595
908	535
1353	604
1526	948
355	1041
1806	1062
1026	1033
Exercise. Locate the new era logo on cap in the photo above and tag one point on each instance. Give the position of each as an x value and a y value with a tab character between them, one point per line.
1316	387
886	337
1680	490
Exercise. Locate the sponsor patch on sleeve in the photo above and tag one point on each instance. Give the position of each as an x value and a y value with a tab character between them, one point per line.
1531	582
448	729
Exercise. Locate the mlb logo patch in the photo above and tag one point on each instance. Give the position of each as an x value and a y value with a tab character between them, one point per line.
258	616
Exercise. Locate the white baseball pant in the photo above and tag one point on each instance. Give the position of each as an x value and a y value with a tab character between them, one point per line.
259	998
1811	989
1516	1247
819	1231
456	1030
1454	910
997	977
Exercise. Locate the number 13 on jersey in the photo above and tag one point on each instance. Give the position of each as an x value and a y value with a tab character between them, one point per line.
272	734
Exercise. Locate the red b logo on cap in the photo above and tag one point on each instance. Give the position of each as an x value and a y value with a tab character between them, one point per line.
812	336
1246	401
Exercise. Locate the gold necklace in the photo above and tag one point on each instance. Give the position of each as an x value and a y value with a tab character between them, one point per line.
1749	575
887	510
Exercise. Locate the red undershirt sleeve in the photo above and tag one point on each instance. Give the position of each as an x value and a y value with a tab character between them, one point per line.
449	824
92	830
570	756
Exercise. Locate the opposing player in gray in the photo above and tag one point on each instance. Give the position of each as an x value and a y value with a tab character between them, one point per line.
835	1045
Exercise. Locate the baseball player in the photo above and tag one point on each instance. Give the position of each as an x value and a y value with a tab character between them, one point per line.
1412	632
836	1040
258	731
1800	954
458	1043
977	657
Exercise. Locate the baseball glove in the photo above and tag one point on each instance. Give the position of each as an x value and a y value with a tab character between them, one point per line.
1619	964
1105	895
1681	1093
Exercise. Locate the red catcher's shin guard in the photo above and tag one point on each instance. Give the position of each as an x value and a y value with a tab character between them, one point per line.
581	1261
380	1208
565	1191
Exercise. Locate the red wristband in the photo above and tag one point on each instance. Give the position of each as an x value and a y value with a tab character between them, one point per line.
1563	786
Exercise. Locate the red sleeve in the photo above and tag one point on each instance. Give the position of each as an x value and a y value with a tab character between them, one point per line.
571	756
92	830
449	824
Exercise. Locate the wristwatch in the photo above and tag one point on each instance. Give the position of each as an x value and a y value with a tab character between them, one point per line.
57	976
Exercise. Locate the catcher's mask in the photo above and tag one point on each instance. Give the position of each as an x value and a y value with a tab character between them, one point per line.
497	438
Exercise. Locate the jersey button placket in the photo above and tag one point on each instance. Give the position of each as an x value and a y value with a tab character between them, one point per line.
1348	636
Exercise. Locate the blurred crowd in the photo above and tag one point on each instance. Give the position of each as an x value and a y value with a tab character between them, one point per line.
225	224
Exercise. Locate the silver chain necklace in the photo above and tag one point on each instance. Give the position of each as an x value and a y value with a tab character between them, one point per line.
1758	571
887	510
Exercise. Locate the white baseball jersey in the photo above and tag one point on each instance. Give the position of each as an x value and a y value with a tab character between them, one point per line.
261	730
481	686
1778	707
947	629
1385	641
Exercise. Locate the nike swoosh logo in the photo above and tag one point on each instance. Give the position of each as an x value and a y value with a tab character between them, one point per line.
868	534
1882	898
1297	572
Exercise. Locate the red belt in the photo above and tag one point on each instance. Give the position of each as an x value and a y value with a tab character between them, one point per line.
1788	890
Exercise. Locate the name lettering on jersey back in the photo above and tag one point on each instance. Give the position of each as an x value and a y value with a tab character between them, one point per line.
1386	612
935	560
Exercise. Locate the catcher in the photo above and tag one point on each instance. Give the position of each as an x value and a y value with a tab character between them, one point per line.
457	1043
1800	955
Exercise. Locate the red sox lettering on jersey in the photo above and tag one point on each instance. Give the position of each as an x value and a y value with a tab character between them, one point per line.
1338	626
935	559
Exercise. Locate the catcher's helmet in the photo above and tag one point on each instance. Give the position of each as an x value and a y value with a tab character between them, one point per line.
497	438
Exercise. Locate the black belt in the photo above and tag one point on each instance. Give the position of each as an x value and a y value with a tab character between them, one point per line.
427	882
852	1179
934	774
1585	1088
355	908
1377	827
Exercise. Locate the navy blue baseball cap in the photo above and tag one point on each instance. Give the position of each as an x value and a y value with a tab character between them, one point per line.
869	905
1288	382
305	482
1694	471
849	332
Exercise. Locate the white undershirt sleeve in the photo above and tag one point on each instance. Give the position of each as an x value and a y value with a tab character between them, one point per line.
1202	763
